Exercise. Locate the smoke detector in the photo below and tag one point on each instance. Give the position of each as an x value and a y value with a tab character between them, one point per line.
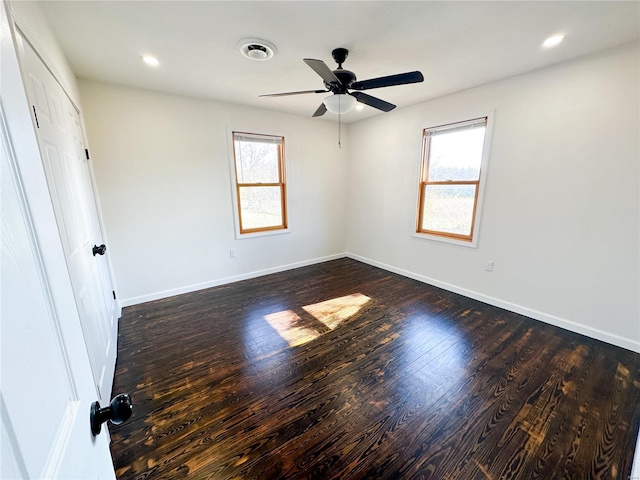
256	49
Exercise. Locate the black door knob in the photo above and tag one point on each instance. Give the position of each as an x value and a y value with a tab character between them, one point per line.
118	411
99	249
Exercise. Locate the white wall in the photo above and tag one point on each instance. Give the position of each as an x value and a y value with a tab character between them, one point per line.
561	212
161	164
560	218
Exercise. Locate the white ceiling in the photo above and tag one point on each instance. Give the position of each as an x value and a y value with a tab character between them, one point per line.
456	45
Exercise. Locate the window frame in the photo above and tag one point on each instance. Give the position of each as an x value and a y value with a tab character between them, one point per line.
236	186
470	240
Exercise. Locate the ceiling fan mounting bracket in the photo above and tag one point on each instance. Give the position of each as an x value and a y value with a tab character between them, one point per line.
340	55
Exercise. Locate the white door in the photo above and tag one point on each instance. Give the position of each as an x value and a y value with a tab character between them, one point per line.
69	179
46	387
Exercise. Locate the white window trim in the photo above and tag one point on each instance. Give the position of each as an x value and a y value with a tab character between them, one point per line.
232	178
486	153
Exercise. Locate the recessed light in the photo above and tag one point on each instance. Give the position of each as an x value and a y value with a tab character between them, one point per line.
151	61
553	40
359	107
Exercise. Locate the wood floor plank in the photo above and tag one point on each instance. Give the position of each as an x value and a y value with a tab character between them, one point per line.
387	378
428	417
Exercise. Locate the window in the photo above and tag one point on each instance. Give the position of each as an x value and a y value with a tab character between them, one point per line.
260	187
453	161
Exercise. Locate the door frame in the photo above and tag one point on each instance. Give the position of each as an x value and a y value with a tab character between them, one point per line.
19	135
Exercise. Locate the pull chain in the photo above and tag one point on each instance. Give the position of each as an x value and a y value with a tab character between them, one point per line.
339	123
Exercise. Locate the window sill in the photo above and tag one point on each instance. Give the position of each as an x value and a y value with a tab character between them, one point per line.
240	236
453	241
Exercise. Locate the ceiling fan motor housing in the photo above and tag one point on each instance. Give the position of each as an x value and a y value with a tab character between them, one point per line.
346	77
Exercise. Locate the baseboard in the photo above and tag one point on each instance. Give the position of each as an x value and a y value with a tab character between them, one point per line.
223	281
512	307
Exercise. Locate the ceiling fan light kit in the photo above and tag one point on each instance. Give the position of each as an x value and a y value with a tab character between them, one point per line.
257	49
340	103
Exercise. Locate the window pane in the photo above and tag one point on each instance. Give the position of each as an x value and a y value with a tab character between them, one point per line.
448	208
256	162
456	155
261	207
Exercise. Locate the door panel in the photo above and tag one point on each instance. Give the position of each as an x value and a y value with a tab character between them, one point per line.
90	204
92	328
31	339
69	179
39	98
41	434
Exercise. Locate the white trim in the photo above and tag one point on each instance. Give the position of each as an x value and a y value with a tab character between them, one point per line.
496	302
22	28
232	178
512	307
635	468
484	166
223	281
98	204
263	233
453	241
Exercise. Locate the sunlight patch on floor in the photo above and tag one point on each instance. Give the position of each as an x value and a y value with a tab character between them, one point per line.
288	325
335	311
298	331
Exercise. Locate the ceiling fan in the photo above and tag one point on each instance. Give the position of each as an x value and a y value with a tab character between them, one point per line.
340	81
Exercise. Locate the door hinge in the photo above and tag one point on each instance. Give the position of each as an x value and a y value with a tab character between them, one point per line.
36	116
86	152
114	294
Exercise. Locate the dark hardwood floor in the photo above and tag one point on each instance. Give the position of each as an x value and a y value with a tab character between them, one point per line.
372	375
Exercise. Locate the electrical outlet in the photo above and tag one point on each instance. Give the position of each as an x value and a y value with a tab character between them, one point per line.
232	253
488	266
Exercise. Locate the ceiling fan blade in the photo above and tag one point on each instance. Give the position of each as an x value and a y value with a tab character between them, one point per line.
321	69
293	93
391	80
373	101
320	111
